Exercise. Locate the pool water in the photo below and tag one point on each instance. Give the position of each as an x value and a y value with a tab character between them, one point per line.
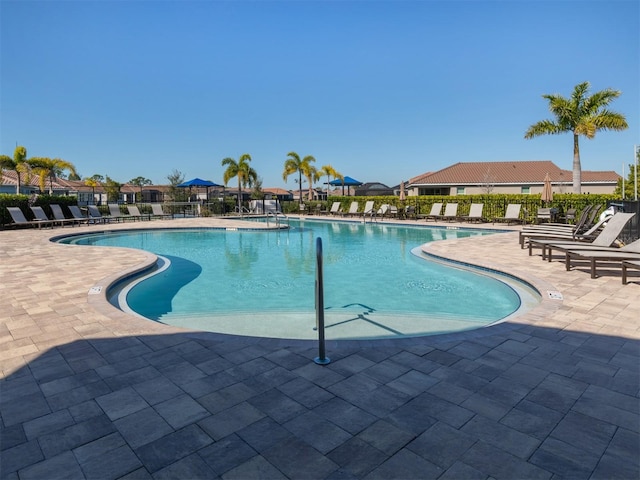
262	283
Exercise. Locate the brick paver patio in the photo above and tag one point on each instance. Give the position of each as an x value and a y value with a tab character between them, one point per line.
90	392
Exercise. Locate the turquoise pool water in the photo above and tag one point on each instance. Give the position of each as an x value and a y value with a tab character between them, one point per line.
262	283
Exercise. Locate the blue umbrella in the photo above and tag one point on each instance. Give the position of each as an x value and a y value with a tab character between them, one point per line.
198	182
348	181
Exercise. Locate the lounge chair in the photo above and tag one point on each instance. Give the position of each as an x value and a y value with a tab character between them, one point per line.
392	211
562	230
58	214
19	220
77	214
450	212
410	212
116	213
630	252
382	211
369	209
512	215
95	216
134	212
353	209
605	238
627	264
475	213
544	215
336	208
39	215
157	211
436	208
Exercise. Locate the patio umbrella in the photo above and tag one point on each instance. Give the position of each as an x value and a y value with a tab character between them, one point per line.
198	182
348	181
547	191
402	195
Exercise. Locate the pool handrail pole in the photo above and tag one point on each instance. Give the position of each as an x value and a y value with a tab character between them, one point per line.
321	359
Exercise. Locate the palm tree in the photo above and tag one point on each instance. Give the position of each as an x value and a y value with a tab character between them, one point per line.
93	182
294	164
241	169
582	115
19	165
311	173
46	167
330	172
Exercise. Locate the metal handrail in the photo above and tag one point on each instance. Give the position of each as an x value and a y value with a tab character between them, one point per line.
321	359
277	216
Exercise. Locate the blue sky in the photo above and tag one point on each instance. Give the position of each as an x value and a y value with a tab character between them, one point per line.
381	90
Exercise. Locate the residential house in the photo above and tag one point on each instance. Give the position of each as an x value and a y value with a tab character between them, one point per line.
473	178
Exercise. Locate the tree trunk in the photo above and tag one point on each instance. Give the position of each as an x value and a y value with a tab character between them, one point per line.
577	169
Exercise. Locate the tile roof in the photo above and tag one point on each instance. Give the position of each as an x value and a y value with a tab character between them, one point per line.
507	173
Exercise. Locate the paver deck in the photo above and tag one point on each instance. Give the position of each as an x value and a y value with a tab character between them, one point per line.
90	392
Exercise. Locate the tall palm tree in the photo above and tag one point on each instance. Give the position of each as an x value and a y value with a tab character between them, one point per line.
241	169
330	172
582	114
294	164
311	174
20	165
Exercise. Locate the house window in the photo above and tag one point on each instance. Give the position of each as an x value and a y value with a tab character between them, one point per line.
525	190
433	191
459	190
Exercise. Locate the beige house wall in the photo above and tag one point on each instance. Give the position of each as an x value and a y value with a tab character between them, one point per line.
517	189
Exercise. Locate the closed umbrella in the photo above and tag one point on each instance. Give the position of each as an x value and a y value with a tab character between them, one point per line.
547	190
402	195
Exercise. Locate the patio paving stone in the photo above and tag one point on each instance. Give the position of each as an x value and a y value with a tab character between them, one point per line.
88	391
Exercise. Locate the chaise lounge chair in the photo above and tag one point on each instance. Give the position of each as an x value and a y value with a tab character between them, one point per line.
368	209
116	213
589	241
450	212
627	264
584	228
58	214
157	211
77	214
19	220
335	208
512	215
475	213
134	212
610	256
39	215
436	209
95	216
353	210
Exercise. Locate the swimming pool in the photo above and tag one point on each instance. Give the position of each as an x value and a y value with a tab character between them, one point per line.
261	283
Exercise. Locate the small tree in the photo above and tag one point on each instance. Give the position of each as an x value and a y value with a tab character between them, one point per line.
140	182
257	193
176	193
113	190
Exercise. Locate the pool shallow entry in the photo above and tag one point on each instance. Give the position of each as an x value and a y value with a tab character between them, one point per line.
261	283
